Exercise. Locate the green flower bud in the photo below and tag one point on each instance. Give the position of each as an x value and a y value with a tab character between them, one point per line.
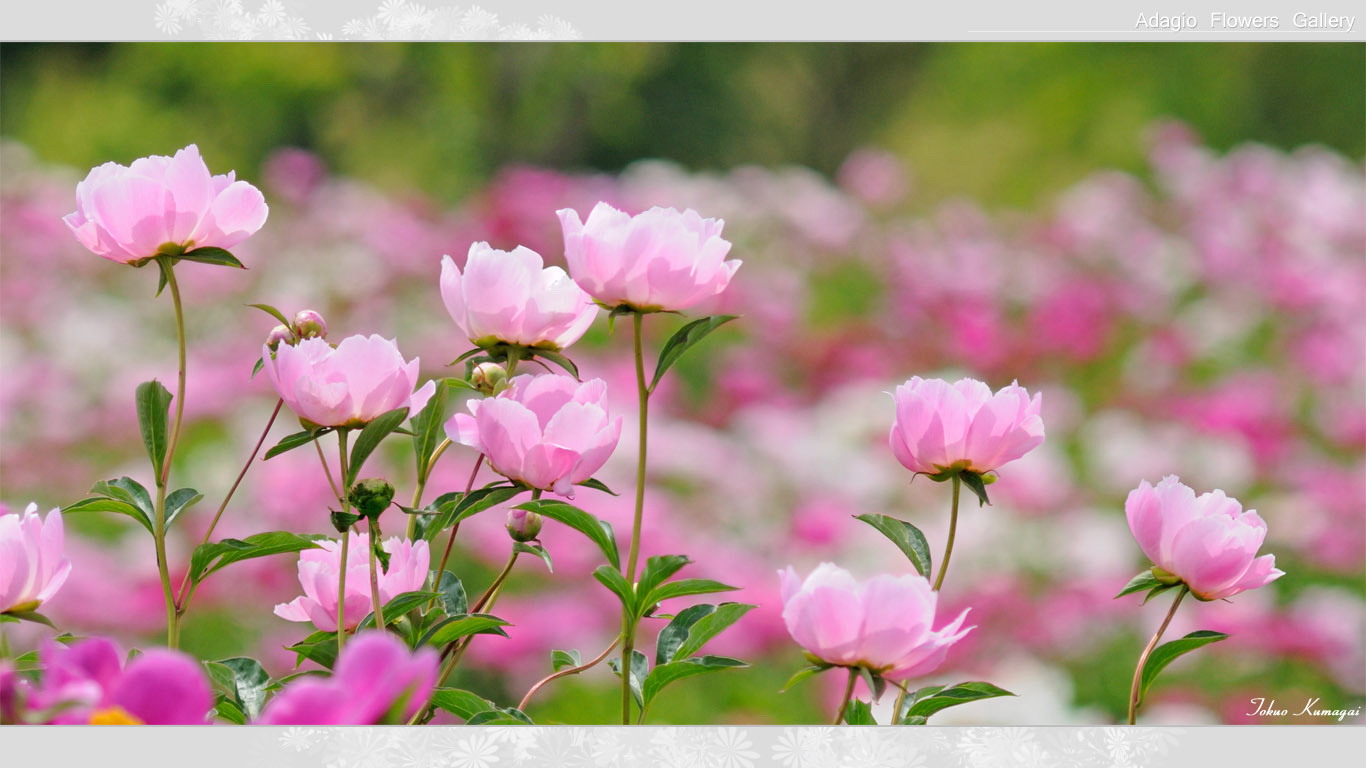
523	525
488	377
372	496
309	324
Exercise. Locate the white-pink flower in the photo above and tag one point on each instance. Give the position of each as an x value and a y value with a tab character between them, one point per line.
362	378
963	426
549	432
658	260
319	570
130	213
508	297
1208	541
33	565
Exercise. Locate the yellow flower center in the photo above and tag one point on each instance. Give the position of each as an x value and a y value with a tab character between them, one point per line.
113	716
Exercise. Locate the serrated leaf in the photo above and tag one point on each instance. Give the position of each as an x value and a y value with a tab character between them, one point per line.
1168	652
640	668
952	696
906	537
1144	580
859	713
429	428
180	500
565	659
213	256
275	313
104	504
211	557
596	530
537	550
683	339
666	674
296	440
456	627
369	439
974	483
804	673
461	703
616	582
153	405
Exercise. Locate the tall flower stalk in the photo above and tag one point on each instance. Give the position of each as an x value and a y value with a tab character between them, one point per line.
163	477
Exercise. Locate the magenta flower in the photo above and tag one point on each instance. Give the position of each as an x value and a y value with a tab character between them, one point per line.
408	564
1208	542
658	260
882	624
377	680
89	683
549	432
962	426
163	204
32	564
506	297
362	378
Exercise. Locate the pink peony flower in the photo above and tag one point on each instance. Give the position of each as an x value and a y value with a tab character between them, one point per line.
88	681
549	432
658	260
882	624
32	564
963	426
349	386
318	574
376	680
1209	541
128	214
506	296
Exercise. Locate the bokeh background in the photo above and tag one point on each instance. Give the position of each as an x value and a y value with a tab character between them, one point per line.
1168	241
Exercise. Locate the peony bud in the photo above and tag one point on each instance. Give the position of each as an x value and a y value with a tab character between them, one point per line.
309	324
488	377
523	525
372	496
278	335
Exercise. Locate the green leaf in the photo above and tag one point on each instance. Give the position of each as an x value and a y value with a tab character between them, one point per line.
213	556
710	626
255	369
453	600
369	439
161	276
598	485
456	627
657	570
154	402
500	716
859	713
674	671
319	647
640	668
671	637
974	483
952	696
129	490
466	356
226	709
296	440
615	581
876	683
213	256
461	703
247	683
180	500
900	715
32	616
683	588
460	506
1169	652
565	659
429	428
683	339
906	537
275	313
1144	580
599	531
537	550
104	504
558	359
804	673
397	607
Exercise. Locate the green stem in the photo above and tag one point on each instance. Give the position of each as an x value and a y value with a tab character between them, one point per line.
345	547
848	695
1143	658
455	528
422	475
566	672
163	477
953	529
374	575
628	629
186	592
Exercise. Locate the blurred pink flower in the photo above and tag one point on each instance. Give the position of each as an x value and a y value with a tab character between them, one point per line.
506	296
33	564
376	680
318	574
128	213
941	426
349	386
882	624
91	684
1209	542
549	432
658	260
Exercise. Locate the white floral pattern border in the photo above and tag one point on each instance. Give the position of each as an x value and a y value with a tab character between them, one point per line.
391	20
723	747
